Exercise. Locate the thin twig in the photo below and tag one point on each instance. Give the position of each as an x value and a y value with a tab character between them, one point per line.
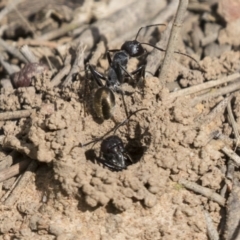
36	42
8	67
1	138
167	13
230	170
223	189
233	122
233	87
207	192
11	5
22	183
233	212
214	113
12	50
130	16
78	64
231	154
211	230
23	19
1	190
27	53
61	74
14	170
100	50
11	189
60	31
7	161
203	86
182	7
155	57
15	114
225	139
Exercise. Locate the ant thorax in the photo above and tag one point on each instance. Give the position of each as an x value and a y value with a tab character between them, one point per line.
117	70
120	59
113	77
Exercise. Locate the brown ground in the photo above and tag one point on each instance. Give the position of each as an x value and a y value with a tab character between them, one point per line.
71	196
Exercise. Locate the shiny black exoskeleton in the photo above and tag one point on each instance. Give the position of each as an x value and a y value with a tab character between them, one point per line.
104	99
134	48
113	154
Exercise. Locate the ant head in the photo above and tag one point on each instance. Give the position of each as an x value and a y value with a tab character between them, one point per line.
133	48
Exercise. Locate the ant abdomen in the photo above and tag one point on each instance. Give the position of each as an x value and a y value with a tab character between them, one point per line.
104	103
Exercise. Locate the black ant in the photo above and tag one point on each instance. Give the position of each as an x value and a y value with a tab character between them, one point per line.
134	48
113	153
104	99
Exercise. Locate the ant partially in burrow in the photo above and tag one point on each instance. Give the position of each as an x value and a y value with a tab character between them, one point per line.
104	99
113	153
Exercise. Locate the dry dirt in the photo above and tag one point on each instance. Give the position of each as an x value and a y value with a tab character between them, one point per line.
72	196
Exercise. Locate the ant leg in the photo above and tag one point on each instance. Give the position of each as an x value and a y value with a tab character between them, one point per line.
97	76
109	58
114	50
140	70
184	54
108	54
114	129
129	75
125	105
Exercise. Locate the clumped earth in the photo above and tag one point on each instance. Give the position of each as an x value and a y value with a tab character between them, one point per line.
71	195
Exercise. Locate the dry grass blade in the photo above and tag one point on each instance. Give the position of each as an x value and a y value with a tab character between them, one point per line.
22	183
203	86
78	64
210	194
131	16
27	53
15	52
11	6
14	170
230	153
233	122
212	231
233	87
203	121
15	114
182	7
233	212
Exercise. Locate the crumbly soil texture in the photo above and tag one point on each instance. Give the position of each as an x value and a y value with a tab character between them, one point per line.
72	194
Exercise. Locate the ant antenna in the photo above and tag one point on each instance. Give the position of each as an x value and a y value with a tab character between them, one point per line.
113	129
153	25
184	54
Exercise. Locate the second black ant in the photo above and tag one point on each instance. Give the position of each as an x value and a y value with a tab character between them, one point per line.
113	152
